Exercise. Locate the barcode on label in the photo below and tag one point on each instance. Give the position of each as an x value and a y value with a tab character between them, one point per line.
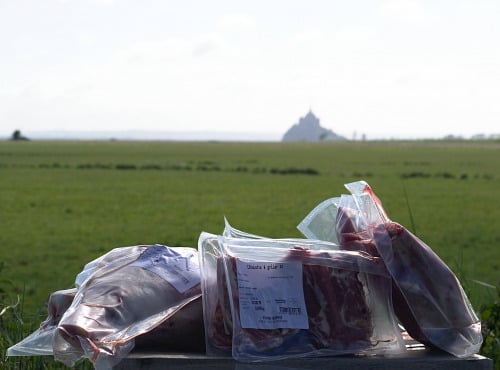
291	310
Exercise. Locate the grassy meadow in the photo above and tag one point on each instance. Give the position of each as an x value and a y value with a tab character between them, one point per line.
63	204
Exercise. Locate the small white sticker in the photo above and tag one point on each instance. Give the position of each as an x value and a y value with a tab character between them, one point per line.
271	295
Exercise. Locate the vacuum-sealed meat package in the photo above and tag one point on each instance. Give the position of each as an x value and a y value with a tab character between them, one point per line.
130	294
217	309
294	298
181	332
40	342
427	296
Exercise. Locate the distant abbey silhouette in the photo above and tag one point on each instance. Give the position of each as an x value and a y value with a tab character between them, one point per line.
309	129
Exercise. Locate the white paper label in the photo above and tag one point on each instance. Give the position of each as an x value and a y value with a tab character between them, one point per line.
271	295
179	267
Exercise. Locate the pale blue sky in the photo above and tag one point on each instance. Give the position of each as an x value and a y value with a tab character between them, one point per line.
389	68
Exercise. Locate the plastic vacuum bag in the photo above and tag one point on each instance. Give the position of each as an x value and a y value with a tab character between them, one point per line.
346	217
182	332
39	343
130	291
318	223
217	310
269	299
231	232
427	296
216	307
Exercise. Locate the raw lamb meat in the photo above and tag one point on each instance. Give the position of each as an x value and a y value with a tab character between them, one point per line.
428	298
346	300
124	299
182	332
350	237
339	314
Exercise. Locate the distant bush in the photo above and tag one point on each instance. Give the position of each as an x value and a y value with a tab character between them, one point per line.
180	167
90	166
445	175
418	163
415	174
241	169
126	167
259	170
293	171
151	167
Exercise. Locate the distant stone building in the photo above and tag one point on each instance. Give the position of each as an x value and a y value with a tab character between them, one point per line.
309	129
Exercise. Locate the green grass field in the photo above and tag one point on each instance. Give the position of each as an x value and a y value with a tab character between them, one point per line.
63	204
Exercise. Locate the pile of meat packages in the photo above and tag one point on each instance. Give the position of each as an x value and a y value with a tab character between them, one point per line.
273	299
427	297
343	290
347	289
145	297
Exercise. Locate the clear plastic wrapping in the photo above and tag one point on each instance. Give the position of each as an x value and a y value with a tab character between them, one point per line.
318	223
215	295
149	296
267	299
39	343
